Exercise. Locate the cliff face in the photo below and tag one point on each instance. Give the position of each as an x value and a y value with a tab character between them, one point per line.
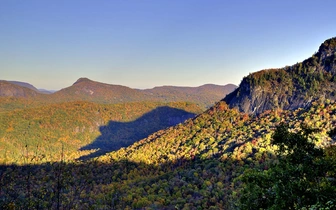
289	87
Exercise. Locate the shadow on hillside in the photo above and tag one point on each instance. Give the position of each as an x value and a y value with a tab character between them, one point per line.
115	135
80	185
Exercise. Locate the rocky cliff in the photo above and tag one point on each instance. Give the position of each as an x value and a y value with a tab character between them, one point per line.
290	87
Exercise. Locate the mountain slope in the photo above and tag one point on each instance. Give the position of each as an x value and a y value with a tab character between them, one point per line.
24	84
204	95
30	86
194	165
44	130
14	90
289	87
87	90
46	91
199	163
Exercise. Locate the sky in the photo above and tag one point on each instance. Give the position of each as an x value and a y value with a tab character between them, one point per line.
147	43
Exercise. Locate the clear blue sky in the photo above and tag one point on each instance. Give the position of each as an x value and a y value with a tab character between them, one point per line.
143	43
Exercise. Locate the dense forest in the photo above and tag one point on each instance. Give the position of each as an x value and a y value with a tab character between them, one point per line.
270	144
199	164
40	133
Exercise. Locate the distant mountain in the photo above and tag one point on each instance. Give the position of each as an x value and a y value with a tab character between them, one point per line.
215	89
24	84
205	95
290	87
46	91
30	86
85	89
17	89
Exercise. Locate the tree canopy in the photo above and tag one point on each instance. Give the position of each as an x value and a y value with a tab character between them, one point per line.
303	178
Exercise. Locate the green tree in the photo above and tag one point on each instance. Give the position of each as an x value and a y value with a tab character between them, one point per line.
299	180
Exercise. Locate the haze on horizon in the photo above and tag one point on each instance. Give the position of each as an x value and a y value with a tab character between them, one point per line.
142	44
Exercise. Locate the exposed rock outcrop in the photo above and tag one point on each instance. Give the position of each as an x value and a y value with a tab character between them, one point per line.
290	87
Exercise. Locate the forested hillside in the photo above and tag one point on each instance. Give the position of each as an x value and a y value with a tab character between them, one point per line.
272	147
197	164
39	134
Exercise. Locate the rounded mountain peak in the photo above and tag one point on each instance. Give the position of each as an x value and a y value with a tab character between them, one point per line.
82	79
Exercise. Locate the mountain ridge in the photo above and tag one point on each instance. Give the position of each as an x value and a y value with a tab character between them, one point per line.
18	89
290	87
85	89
